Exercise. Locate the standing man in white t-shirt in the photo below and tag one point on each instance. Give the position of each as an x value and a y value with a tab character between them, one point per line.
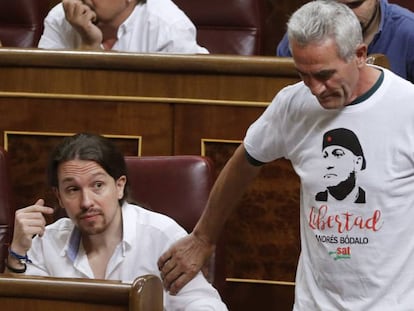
354	255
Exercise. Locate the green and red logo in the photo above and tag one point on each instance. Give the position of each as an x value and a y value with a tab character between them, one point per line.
341	253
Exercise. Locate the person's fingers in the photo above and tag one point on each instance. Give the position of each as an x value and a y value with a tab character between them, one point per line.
182	261
166	268
77	12
163	259
38	207
169	274
40	202
91	16
42	208
30	220
170	278
34	224
32	230
69	7
176	274
180	282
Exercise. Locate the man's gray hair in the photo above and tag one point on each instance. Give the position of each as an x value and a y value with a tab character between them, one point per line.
319	20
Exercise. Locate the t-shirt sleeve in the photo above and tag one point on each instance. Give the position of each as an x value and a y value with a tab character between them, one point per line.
264	138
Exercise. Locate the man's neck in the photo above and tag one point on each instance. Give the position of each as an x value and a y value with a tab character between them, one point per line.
100	247
110	28
371	29
106	240
369	76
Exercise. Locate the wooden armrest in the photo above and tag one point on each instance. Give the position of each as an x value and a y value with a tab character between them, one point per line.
30	293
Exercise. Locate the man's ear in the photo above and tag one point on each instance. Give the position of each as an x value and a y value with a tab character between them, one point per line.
361	54
120	185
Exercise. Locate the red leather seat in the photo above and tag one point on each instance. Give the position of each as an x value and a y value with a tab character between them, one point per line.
227	26
177	186
6	207
21	22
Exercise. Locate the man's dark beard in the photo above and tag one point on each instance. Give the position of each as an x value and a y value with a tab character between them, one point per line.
341	190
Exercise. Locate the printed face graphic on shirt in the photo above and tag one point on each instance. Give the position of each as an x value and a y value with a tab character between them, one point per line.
343	158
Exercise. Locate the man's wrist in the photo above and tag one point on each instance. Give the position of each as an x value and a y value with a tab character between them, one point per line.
23	259
14	265
204	239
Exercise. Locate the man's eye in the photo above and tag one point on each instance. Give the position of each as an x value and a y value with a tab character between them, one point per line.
324	76
71	189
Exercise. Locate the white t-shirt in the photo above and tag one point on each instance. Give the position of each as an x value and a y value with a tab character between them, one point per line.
357	250
155	26
146	236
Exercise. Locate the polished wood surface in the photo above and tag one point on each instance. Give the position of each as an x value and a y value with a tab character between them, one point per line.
25	293
157	105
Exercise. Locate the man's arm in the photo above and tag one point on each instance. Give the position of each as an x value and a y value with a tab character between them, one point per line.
29	221
186	257
66	19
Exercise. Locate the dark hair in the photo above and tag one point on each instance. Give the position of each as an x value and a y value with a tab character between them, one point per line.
89	147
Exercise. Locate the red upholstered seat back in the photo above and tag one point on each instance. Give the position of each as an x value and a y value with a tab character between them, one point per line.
227	26
21	22
177	186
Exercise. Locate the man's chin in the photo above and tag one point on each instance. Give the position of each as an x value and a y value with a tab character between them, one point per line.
330	103
91	230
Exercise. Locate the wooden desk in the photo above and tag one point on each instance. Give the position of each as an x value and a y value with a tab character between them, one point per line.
157	105
25	293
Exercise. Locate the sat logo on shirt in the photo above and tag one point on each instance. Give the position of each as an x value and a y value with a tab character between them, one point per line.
341	253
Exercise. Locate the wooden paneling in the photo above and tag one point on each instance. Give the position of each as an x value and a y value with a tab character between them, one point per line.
247	295
176	104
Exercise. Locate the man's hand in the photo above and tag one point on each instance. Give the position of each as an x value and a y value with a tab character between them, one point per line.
83	19
182	261
29	221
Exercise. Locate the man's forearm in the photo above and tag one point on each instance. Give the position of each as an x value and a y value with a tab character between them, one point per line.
225	195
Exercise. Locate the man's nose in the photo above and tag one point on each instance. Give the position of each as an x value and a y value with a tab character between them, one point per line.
317	87
86	199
